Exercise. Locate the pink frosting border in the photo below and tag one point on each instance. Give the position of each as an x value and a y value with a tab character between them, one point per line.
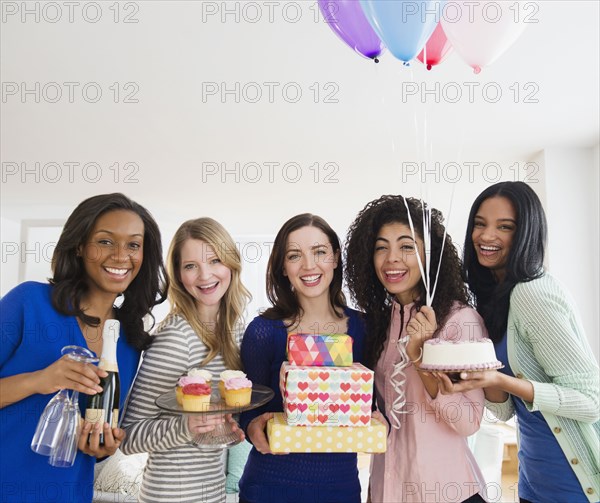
471	366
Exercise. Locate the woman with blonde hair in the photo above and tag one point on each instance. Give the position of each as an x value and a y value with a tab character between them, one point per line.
202	330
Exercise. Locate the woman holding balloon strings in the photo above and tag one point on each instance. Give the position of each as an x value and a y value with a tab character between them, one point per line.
304	284
110	247
427	457
202	331
550	379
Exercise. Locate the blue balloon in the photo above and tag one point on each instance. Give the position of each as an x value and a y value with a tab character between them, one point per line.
403	25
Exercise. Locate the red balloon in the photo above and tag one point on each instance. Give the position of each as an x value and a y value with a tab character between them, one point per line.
436	49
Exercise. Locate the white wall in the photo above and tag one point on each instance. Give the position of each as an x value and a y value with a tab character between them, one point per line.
573	221
565	179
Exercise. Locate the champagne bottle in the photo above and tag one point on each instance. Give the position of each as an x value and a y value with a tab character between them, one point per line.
104	407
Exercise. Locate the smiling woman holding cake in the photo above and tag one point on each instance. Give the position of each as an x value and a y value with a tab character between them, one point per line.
304	284
550	379
427	458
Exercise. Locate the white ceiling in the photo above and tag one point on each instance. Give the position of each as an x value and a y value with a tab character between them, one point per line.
171	53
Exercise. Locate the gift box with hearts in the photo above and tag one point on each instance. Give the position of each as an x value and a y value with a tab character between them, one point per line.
326	396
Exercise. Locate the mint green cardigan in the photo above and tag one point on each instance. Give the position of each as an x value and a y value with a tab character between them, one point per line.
548	347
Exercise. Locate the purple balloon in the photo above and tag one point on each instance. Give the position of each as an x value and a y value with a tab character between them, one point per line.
347	20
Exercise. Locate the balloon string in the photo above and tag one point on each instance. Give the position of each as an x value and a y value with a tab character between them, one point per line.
414	236
398	380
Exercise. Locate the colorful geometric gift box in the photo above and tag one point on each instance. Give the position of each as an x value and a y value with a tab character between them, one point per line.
320	350
332	396
286	438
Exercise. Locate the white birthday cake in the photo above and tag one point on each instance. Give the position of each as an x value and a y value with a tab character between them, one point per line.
456	356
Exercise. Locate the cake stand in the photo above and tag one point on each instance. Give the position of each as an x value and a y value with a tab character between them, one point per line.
454	373
223	435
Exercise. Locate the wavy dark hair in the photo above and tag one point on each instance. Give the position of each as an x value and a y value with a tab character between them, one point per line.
525	258
365	288
285	305
147	289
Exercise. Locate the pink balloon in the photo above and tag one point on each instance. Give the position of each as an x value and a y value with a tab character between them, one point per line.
436	49
482	31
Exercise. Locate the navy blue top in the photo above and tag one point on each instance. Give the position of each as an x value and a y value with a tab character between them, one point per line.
545	474
32	336
290	478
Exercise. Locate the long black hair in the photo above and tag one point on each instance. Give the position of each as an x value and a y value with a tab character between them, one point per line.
361	277
147	289
525	259
279	289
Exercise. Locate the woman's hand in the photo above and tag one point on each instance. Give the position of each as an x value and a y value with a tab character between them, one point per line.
381	418
112	439
66	373
257	435
468	381
203	423
420	328
496	385
235	428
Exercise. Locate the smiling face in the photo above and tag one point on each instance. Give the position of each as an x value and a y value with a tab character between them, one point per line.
309	263
494	227
113	253
396	263
203	275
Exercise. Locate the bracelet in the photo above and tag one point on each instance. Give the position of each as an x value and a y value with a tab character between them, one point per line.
414	362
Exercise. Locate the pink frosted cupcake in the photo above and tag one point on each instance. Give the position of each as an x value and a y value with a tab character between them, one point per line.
238	391
196	397
184	381
228	374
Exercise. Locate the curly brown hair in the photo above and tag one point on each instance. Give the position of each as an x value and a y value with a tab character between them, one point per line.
365	288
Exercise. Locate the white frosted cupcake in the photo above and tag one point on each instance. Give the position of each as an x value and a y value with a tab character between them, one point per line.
228	374
205	374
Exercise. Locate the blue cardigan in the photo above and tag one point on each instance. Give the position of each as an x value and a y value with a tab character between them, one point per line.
31	338
318	478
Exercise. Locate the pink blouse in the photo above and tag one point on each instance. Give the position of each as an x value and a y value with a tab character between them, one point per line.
427	459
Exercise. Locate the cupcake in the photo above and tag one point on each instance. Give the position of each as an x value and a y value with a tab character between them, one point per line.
205	374
238	391
228	374
196	397
184	381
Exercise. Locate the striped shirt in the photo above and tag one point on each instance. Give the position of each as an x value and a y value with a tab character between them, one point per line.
176	471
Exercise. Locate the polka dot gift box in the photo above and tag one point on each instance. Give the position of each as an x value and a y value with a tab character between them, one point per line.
286	438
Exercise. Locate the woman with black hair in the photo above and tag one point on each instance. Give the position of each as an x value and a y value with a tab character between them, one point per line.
110	247
550	379
427	457
304	284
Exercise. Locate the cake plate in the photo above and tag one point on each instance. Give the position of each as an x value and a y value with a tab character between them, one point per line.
454	373
223	435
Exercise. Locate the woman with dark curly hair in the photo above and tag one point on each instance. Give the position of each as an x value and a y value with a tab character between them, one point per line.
550	377
110	247
427	457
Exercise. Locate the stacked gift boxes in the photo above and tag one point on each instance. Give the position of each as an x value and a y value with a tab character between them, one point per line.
326	399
